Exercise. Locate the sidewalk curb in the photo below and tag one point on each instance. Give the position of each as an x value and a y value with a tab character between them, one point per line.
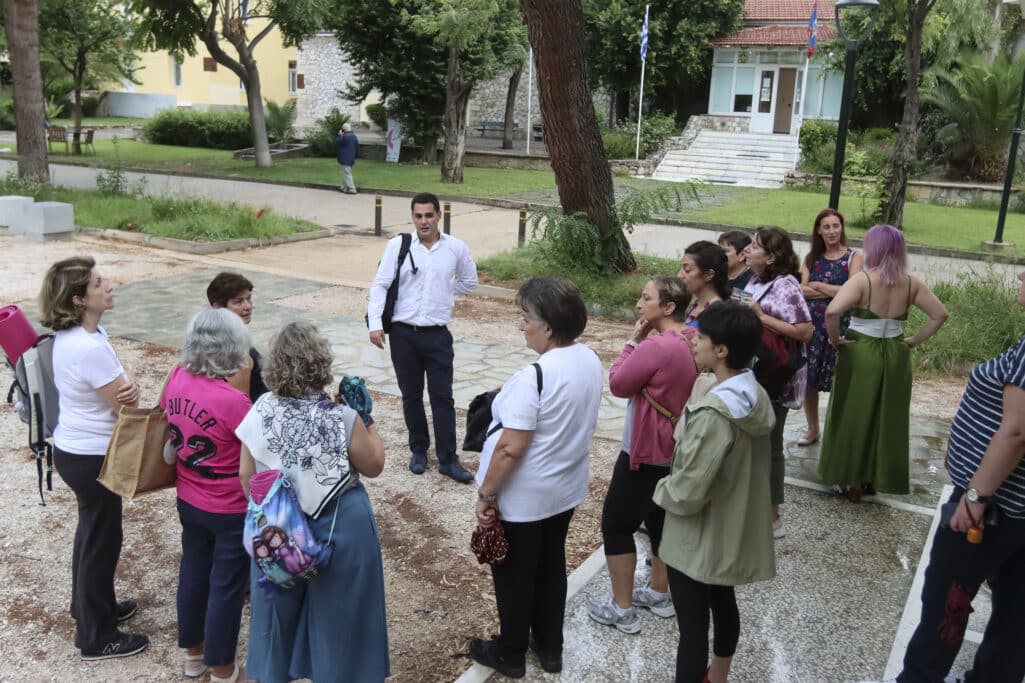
202	248
515	204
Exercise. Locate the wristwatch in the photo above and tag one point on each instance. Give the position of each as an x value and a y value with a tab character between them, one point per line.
487	499
973	496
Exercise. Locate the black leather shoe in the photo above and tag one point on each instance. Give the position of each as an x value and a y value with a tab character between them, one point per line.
490	654
456	471
418	463
126	610
550	661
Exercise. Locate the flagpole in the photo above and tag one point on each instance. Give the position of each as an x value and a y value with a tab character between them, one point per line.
640	99
530	95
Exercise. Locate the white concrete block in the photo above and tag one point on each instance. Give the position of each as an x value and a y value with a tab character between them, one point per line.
48	221
12	208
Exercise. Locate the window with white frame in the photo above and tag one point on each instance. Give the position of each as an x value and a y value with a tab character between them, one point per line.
293	77
176	72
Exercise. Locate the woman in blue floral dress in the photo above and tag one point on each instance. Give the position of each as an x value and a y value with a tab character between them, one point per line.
828	265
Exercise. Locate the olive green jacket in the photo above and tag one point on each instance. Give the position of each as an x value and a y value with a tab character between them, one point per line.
718	527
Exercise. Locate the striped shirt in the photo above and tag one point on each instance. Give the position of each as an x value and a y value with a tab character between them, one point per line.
978	419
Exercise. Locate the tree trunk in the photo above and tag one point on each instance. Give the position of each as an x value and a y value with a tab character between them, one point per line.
556	29
257	121
76	103
510	107
457	101
891	208
991	49
622	107
22	28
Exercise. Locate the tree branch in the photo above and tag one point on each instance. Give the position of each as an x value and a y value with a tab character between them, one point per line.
262	34
209	38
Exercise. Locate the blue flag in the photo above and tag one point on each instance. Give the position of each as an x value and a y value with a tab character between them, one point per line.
813	29
644	35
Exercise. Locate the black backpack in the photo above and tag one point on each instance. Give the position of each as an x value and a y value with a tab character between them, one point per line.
393	289
35	398
478	416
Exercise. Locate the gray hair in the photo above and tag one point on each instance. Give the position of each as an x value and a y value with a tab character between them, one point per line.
346	126
299	361
216	343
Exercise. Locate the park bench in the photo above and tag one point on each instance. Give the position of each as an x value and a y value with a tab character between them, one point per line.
58	134
494	126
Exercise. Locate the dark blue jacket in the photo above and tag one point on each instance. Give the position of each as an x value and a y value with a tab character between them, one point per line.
347	145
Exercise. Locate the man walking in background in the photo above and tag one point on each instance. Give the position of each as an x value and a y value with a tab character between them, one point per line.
347	145
436	269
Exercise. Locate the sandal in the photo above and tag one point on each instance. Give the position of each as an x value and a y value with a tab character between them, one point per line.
808	440
233	678
194	666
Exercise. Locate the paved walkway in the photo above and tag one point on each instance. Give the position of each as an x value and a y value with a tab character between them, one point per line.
845	571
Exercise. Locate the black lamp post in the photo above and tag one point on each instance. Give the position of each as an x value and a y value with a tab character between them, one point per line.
852	43
1012	155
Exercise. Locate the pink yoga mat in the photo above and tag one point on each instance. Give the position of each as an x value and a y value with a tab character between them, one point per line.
16	332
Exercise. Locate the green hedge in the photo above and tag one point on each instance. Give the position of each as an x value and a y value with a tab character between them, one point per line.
378	115
210	129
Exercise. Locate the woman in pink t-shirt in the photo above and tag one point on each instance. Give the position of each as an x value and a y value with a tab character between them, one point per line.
203	411
656	372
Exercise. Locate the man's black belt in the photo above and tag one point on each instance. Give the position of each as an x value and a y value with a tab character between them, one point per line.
420	328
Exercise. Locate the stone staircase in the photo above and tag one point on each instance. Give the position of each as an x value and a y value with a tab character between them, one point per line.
722	158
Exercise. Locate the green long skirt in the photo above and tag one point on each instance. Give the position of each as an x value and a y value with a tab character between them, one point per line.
865	439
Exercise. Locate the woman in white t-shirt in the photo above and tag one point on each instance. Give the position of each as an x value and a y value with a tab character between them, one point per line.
93	386
534	472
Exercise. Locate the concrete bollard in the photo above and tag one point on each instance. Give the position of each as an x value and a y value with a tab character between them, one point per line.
12	209
521	235
46	221
377	216
448	218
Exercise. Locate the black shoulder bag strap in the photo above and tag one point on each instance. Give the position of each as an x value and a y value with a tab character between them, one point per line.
540	385
393	289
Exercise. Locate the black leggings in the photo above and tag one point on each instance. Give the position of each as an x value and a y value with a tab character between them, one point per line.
628	503
693	601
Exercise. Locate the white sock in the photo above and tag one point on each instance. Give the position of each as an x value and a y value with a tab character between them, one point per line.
619	610
656	593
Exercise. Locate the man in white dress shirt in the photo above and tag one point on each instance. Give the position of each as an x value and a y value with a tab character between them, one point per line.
437	269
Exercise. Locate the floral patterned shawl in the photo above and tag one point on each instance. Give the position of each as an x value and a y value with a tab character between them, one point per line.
307	438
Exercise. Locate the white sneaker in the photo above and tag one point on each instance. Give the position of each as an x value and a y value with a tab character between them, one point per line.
777	527
608	613
660	604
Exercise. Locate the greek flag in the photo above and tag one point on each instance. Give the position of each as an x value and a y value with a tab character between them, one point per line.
644	35
813	29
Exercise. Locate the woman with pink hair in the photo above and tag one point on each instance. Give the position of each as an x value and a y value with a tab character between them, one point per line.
865	440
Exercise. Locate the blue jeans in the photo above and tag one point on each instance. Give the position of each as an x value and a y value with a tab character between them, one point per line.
415	353
956	570
211	582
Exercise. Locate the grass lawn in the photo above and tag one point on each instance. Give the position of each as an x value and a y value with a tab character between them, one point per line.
925	224
181	218
478	182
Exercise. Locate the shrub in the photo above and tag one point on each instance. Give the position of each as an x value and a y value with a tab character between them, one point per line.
321	139
90	103
280	120
210	129
881	135
619	144
378	115
985	319
814	136
654	131
6	113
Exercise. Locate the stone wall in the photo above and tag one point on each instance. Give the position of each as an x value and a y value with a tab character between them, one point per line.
927	191
487	103
325	70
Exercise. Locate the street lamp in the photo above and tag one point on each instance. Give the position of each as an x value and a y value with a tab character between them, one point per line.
1012	156
852	43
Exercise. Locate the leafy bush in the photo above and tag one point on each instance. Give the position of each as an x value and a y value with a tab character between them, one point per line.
90	103
378	115
53	109
815	134
321	139
280	120
877	135
210	129
654	131
985	319
6	112
601	117
619	144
